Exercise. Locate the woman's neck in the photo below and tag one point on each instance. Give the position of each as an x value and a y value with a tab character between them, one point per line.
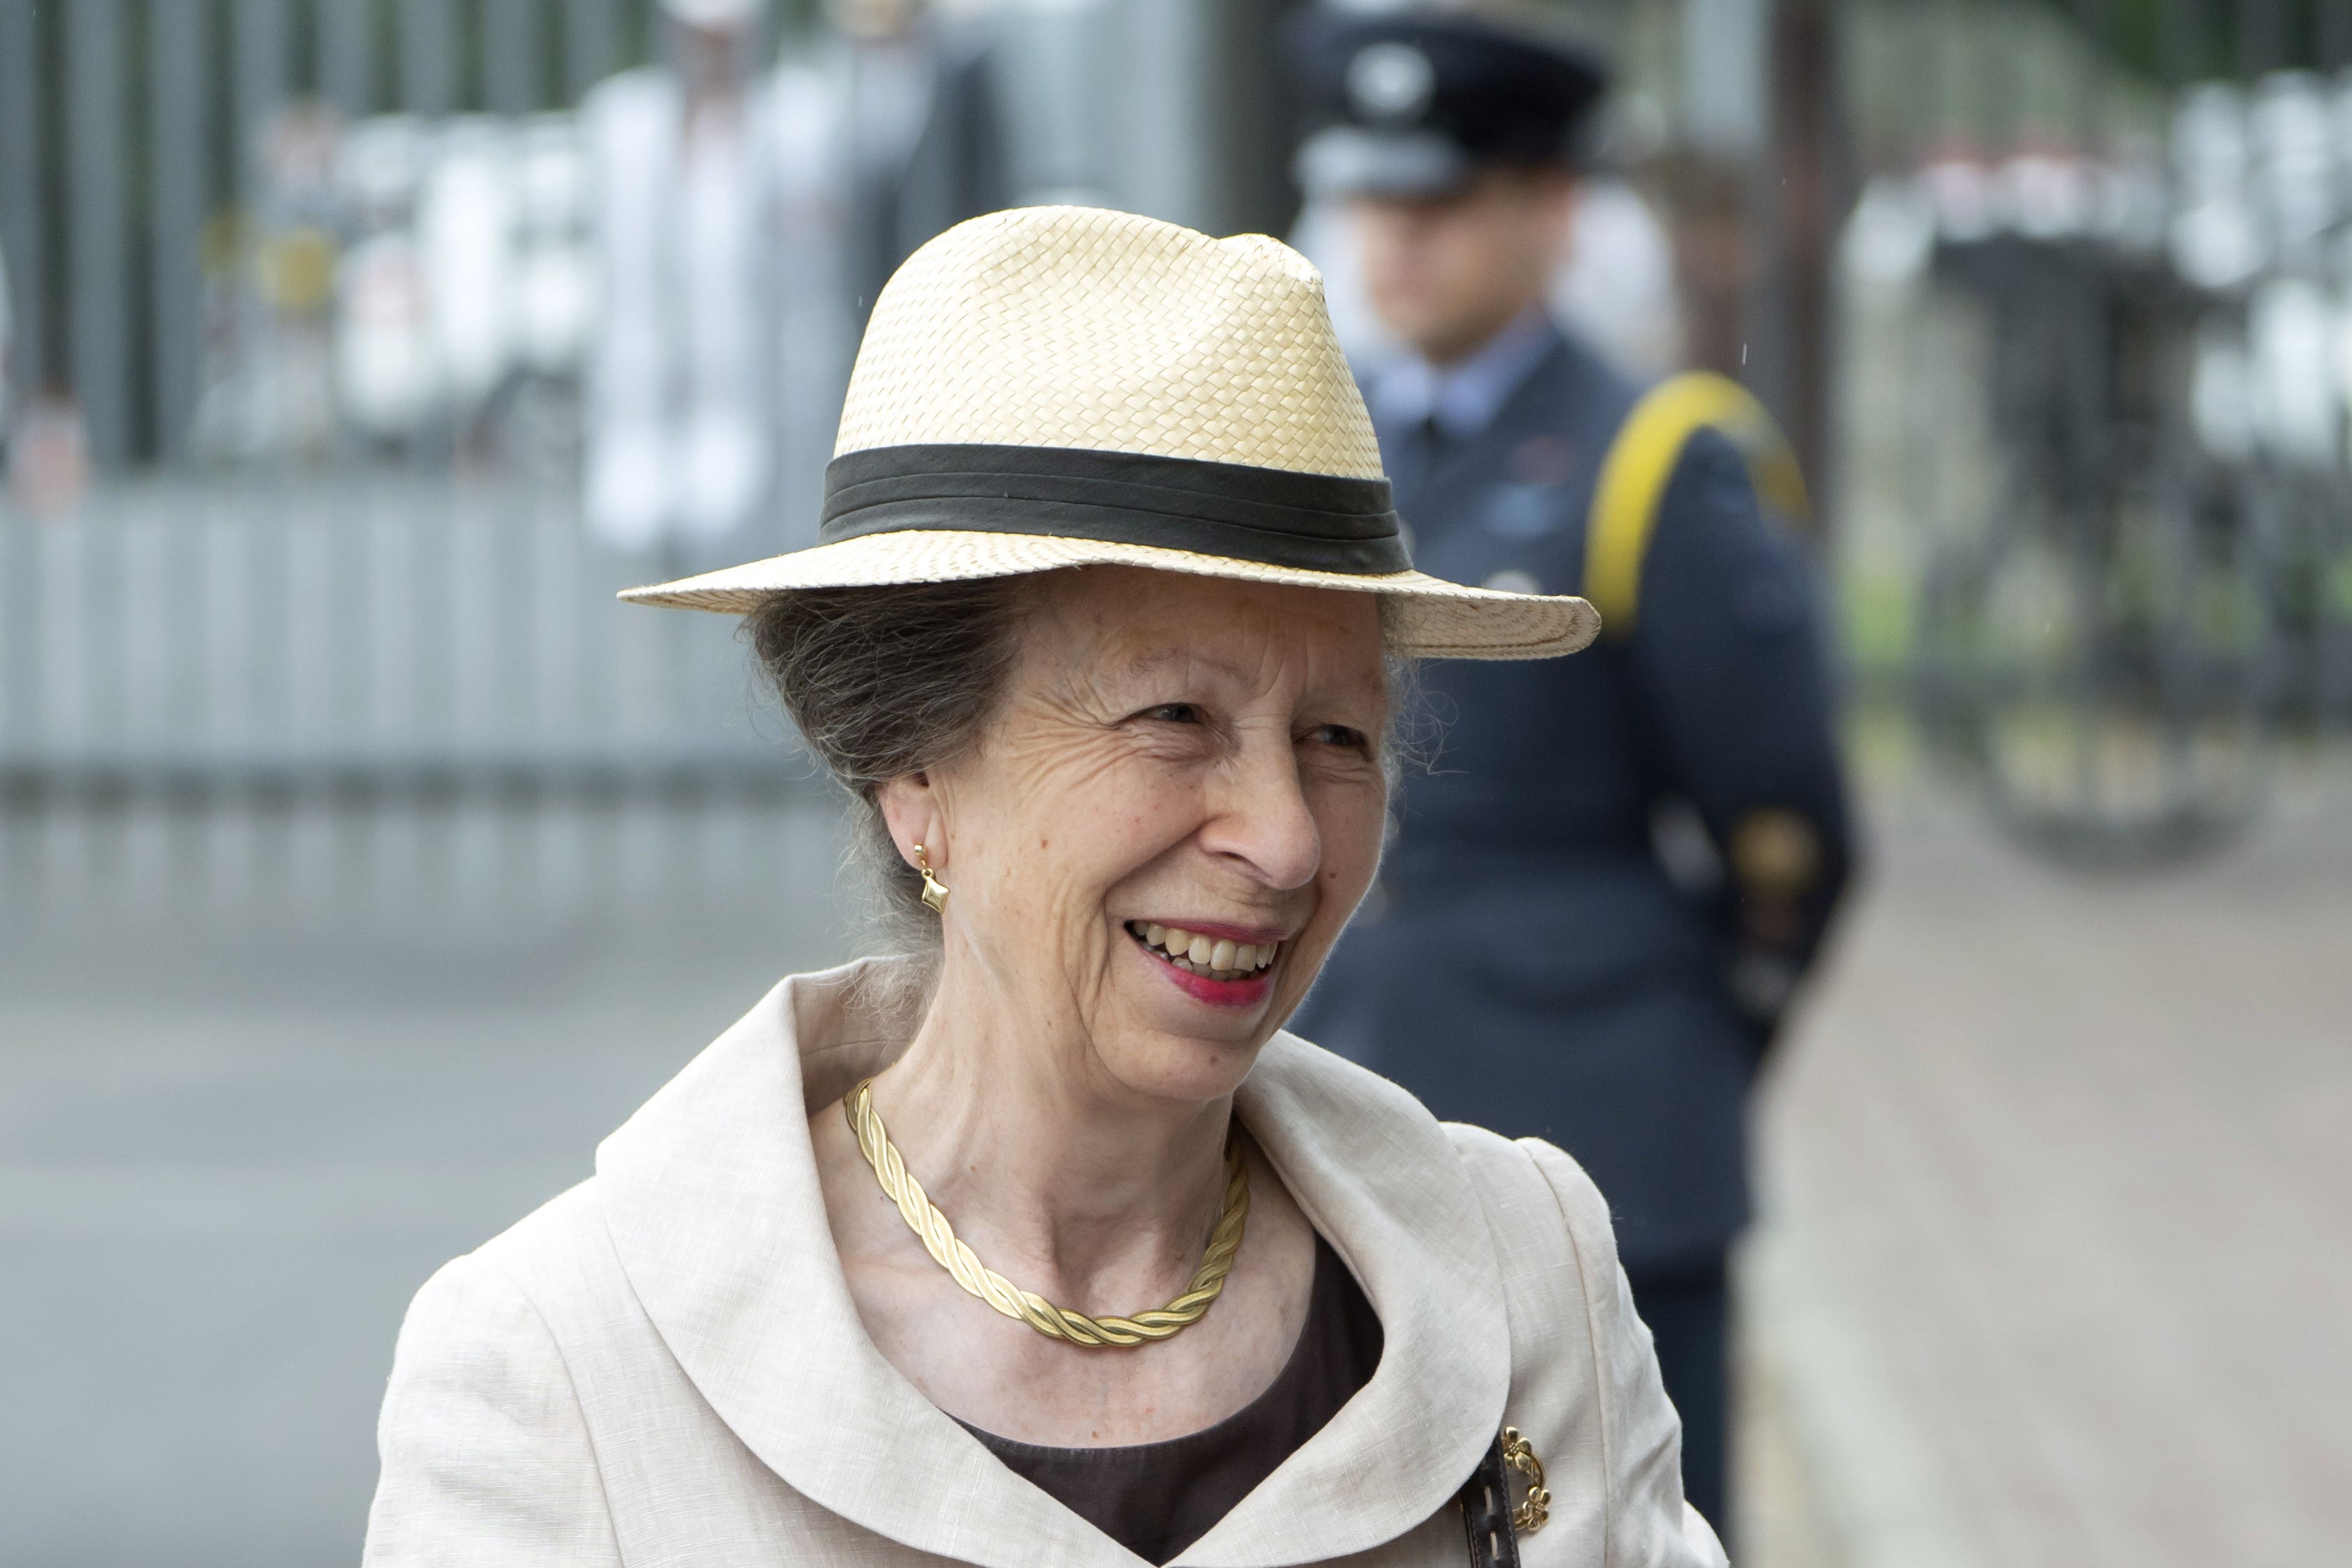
1086	1190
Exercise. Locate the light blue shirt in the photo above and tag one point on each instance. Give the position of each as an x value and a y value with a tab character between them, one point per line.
1462	399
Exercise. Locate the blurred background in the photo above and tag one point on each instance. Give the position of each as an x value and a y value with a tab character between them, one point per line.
361	863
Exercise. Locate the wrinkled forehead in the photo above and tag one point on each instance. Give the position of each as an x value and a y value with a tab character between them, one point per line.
1123	620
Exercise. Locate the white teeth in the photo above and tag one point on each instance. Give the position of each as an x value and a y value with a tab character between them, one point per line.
1216	957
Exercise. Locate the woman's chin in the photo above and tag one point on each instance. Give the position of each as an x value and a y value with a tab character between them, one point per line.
1179	1068
1196	1040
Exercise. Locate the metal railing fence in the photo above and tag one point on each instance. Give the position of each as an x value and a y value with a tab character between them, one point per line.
262	531
403	633
130	134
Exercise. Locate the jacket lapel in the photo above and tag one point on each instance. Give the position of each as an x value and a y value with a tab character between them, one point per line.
1380	1180
712	1195
710	1192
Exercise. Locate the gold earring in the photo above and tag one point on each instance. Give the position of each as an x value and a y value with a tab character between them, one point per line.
935	892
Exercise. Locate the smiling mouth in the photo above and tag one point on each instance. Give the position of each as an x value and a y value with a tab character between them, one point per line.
1210	958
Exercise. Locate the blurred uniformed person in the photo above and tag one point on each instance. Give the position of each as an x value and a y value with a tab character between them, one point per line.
1604	893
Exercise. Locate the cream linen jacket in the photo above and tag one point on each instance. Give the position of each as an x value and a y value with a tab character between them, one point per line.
662	1366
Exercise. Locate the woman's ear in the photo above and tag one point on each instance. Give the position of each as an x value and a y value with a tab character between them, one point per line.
911	807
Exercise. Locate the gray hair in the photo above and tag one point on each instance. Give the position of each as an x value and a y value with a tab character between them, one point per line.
884	682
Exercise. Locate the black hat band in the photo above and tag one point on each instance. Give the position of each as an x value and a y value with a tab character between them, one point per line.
1311	522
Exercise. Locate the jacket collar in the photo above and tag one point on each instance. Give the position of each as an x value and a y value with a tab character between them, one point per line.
710	1192
1462	399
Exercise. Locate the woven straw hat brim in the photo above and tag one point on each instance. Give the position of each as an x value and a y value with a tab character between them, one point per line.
1055	387
1435	619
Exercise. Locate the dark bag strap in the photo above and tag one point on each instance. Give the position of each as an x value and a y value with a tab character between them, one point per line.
1485	1501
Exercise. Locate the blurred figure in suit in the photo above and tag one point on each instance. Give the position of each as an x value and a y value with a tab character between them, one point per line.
746	217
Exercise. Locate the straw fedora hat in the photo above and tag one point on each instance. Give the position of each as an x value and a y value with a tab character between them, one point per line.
1066	386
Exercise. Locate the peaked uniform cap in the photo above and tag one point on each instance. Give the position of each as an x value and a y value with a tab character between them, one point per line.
1052	387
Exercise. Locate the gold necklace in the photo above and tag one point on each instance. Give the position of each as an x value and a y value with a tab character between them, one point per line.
923	1217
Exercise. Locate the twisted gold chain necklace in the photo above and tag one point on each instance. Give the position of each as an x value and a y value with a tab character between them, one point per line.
923	1217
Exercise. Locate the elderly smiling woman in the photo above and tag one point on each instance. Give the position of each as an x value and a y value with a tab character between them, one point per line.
1039	1242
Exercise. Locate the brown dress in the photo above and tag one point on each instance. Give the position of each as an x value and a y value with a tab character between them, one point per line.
1157	1499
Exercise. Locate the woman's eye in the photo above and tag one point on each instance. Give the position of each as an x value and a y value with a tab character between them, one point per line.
1341	736
1174	713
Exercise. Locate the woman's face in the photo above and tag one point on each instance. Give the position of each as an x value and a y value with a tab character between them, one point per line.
1166	826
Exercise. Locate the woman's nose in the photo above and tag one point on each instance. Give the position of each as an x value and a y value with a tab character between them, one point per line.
1261	816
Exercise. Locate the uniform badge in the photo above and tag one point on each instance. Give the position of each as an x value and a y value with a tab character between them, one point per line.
1390	83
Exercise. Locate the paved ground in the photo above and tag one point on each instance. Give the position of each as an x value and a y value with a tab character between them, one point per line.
2057	1268
244	1113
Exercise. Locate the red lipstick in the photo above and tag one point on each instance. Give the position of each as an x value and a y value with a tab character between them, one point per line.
1217	993
1240	993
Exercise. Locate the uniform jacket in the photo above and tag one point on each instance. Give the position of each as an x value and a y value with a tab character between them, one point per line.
663	1367
1528	964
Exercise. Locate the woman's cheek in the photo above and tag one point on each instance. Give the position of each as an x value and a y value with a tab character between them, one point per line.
1352	823
1156	807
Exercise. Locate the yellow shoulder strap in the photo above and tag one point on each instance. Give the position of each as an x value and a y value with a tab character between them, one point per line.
1641	459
